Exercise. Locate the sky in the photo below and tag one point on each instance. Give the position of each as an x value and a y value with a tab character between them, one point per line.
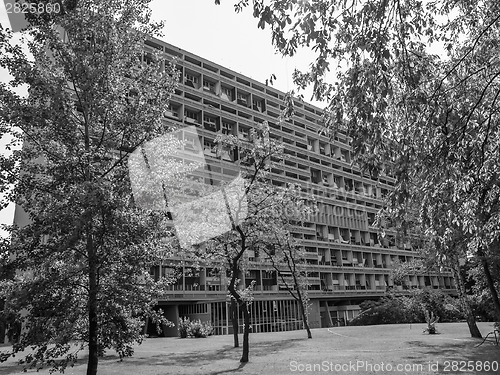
216	33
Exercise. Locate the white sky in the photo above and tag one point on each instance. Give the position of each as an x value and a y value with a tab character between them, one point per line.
216	33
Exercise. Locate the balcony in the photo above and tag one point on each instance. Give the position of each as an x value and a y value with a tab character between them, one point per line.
174	115
244	135
210	125
242	101
210	151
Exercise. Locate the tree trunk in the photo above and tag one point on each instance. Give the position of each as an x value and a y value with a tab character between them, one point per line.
462	296
303	313
491	285
246	332
92	306
306	323
234	320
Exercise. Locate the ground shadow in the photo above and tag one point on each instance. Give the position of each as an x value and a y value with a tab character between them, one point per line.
192	358
237	369
453	357
228	352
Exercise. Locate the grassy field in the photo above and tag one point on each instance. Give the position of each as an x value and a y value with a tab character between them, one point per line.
395	349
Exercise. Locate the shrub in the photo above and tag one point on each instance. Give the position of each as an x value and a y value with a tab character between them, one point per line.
402	309
183	327
195	328
483	307
198	329
367	305
445	306
389	311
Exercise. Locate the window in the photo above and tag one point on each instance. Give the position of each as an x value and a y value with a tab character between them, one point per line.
227	93
257	105
191	116
209	123
322	148
209	148
227	128
244	134
315	176
336	182
172	111
208	86
242	98
190	80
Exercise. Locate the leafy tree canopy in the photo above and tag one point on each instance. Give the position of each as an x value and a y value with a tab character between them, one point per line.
82	259
415	84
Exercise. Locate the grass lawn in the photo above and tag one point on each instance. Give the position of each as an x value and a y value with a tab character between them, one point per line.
339	350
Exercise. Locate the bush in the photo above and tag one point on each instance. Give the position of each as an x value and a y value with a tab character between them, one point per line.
199	329
390	311
195	328
483	307
183	327
402	309
443	305
368	304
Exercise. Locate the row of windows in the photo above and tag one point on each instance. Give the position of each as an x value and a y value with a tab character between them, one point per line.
295	146
225	92
194	75
266	277
199	308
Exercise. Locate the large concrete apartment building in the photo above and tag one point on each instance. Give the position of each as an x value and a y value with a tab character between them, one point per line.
348	262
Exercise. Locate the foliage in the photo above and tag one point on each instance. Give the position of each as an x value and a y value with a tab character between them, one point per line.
256	211
403	269
368	304
482	301
388	311
183	327
195	328
482	306
199	329
429	119
434	300
83	258
282	250
409	309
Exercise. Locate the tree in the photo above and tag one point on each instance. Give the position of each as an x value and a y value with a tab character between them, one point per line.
257	201
251	208
283	252
446	249
429	120
82	262
477	285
